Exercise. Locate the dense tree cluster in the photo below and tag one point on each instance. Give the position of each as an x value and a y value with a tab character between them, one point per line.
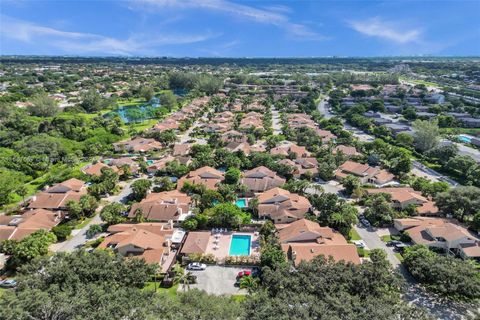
447	275
323	289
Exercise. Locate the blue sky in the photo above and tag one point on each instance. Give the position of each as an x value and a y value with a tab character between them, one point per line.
213	28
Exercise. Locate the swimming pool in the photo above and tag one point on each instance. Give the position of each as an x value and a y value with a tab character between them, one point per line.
465	139
240	245
241	203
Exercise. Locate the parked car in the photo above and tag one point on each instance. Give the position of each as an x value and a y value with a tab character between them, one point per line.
196	266
393	243
244	273
366	223
359	244
399	247
9	283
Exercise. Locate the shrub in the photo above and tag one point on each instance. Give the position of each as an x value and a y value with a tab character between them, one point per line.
93	230
62	231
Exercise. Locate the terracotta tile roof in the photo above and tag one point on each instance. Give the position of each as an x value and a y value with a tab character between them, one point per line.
261	179
163	206
21	226
305	230
207	176
290	147
154	227
346	150
96	169
181	149
139	144
471	250
278	203
422	230
307	251
6	232
196	242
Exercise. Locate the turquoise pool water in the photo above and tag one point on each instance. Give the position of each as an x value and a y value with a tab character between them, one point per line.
240	245
464	139
150	162
241	203
136	113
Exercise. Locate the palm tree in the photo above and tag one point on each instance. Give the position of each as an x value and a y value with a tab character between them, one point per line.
182	277
248	282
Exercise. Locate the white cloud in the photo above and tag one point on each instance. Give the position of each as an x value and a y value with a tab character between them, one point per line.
274	16
81	43
375	27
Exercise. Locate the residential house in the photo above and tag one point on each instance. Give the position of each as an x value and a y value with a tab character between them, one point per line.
348	151
261	179
440	233
163	207
17	227
143	241
57	196
366	173
138	144
196	243
302	166
282	206
159	164
404	197
304	240
95	169
206	176
288	147
238	146
181	149
233	136
251	120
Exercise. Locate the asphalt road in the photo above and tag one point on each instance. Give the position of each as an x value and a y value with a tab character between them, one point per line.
323	108
276	125
80	237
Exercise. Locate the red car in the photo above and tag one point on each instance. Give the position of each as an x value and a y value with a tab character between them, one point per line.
244	273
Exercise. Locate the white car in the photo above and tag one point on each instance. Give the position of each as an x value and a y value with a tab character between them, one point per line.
196	266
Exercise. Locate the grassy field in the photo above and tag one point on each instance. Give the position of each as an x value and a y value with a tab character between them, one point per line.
354	235
399	256
83	223
455	131
172	292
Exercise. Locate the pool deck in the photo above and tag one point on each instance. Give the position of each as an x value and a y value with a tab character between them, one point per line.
222	241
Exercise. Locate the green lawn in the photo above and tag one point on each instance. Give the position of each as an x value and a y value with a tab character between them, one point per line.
2	290
363	253
83	223
399	256
386	238
141	126
354	235
239	297
172	292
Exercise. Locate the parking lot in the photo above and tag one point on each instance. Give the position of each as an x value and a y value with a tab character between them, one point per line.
218	280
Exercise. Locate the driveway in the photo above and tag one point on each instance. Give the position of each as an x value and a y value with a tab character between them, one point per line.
218	280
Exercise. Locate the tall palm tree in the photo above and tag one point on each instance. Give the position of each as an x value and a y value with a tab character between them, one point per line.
182	277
